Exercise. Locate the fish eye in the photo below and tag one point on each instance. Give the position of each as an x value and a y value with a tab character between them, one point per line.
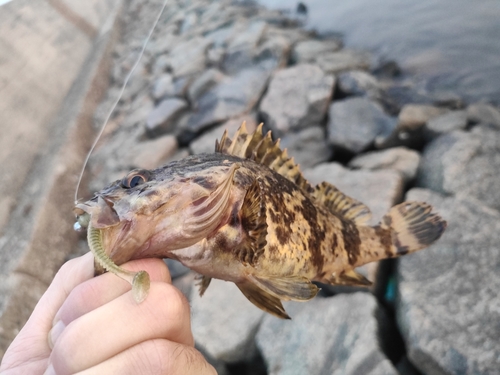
135	178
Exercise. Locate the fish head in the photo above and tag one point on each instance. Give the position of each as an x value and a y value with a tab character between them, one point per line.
149	213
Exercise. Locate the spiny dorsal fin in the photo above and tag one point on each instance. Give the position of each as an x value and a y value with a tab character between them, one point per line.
339	203
262	149
253	221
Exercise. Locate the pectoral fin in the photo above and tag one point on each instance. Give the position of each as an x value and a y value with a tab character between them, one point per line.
290	288
263	300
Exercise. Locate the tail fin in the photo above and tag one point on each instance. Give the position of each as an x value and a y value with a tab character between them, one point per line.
412	227
406	228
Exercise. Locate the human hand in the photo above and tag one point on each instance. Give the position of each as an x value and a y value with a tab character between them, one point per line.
99	329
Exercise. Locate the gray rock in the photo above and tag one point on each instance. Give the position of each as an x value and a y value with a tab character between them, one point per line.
297	97
308	147
309	50
224	322
206	141
204	82
483	113
273	52
379	190
399	159
153	153
161	118
464	163
139	110
454	120
354	123
163	86
414	116
176	268
336	62
336	335
161	65
189	57
231	97
359	83
448	306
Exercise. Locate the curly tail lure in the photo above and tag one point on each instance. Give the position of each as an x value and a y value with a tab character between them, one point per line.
139	280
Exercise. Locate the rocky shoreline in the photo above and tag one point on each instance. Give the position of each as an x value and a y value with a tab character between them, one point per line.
213	64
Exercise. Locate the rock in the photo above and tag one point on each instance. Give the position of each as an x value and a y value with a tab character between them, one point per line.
308	50
483	113
162	117
206	142
189	57
454	120
464	163
224	322
160	65
448	309
379	190
204	82
177	269
354	123
139	110
399	159
189	21
337	335
152	154
297	97
336	62
163	86
231	97
308	147
359	83
242	48
273	52
413	116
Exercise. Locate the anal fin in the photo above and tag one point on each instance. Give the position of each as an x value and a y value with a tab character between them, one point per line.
263	300
341	204
203	283
288	288
350	277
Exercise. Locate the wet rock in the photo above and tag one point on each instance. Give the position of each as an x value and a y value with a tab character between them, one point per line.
354	123
297	97
399	159
152	154
379	190
464	163
448	307
224	322
163	116
337	335
204	82
454	120
483	113
413	116
231	97
359	83
336	62
309	50
308	147
163	87
189	57
206	142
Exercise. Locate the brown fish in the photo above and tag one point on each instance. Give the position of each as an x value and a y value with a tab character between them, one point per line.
246	214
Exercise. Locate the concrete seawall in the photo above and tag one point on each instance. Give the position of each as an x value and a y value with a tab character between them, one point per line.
54	58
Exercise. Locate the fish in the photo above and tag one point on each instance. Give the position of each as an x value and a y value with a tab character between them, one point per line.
246	214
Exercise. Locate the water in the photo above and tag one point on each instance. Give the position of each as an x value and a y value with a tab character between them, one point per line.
445	45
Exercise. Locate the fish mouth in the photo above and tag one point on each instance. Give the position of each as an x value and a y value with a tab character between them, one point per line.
100	213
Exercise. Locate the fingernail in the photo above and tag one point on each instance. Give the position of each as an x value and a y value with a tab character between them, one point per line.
50	370
55	332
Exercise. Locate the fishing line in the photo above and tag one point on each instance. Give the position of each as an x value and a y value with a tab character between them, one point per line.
113	107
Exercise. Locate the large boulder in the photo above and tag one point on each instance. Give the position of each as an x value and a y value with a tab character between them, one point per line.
464	163
448	307
337	335
297	97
